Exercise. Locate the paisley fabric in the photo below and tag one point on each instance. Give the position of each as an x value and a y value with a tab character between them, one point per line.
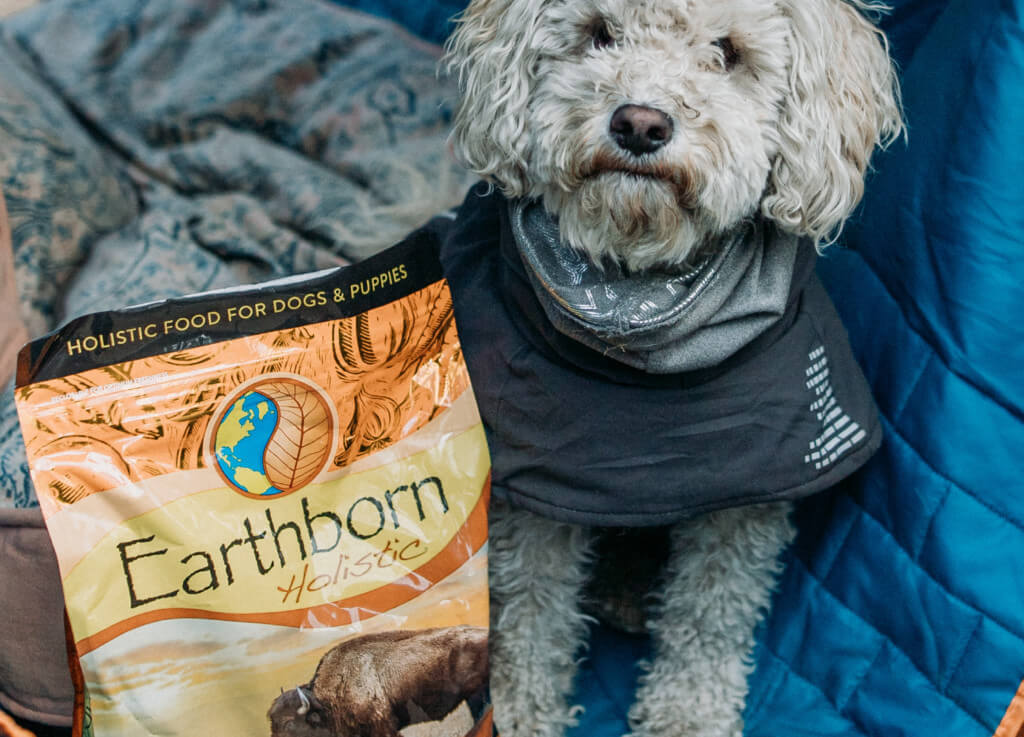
150	149
153	149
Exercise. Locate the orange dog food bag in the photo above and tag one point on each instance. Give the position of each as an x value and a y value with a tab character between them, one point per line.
259	497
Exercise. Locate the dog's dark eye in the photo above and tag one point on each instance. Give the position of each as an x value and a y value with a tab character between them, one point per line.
730	56
600	34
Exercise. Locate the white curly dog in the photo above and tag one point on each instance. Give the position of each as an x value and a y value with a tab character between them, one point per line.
650	130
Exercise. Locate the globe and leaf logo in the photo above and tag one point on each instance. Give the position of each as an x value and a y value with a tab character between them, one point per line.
272	437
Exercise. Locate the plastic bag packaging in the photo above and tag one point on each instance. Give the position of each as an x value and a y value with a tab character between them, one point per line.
269	507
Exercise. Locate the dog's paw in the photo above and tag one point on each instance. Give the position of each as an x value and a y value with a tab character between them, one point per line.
529	692
531	712
662	711
524	725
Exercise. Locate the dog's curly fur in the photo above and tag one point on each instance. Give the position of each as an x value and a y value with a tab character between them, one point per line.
773	109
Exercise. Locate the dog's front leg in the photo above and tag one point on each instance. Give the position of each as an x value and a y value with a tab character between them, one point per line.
719	580
537	571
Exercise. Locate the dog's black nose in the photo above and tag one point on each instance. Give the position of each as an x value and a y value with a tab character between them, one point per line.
639	129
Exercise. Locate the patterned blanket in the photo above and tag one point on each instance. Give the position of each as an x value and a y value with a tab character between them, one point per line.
153	149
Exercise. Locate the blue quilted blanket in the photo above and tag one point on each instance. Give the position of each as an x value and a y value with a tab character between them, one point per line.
900	612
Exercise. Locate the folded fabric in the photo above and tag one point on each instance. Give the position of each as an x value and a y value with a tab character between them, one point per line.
12	328
154	149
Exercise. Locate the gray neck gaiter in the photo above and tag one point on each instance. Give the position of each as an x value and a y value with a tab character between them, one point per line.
659	322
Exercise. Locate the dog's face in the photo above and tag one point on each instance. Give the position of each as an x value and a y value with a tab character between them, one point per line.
651	128
653	124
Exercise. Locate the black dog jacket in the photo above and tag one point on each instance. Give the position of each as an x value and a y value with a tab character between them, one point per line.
579	436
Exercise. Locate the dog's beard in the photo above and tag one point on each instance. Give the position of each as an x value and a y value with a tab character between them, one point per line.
639	220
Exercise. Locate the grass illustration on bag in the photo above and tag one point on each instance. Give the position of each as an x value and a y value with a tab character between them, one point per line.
269	507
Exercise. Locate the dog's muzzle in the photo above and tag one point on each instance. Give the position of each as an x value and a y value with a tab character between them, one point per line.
683	182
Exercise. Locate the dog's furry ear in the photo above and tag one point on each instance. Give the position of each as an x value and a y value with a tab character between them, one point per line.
493	54
843	101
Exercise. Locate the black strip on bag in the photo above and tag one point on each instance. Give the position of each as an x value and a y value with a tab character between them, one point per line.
107	338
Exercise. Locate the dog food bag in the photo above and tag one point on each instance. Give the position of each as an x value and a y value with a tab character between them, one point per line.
269	507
